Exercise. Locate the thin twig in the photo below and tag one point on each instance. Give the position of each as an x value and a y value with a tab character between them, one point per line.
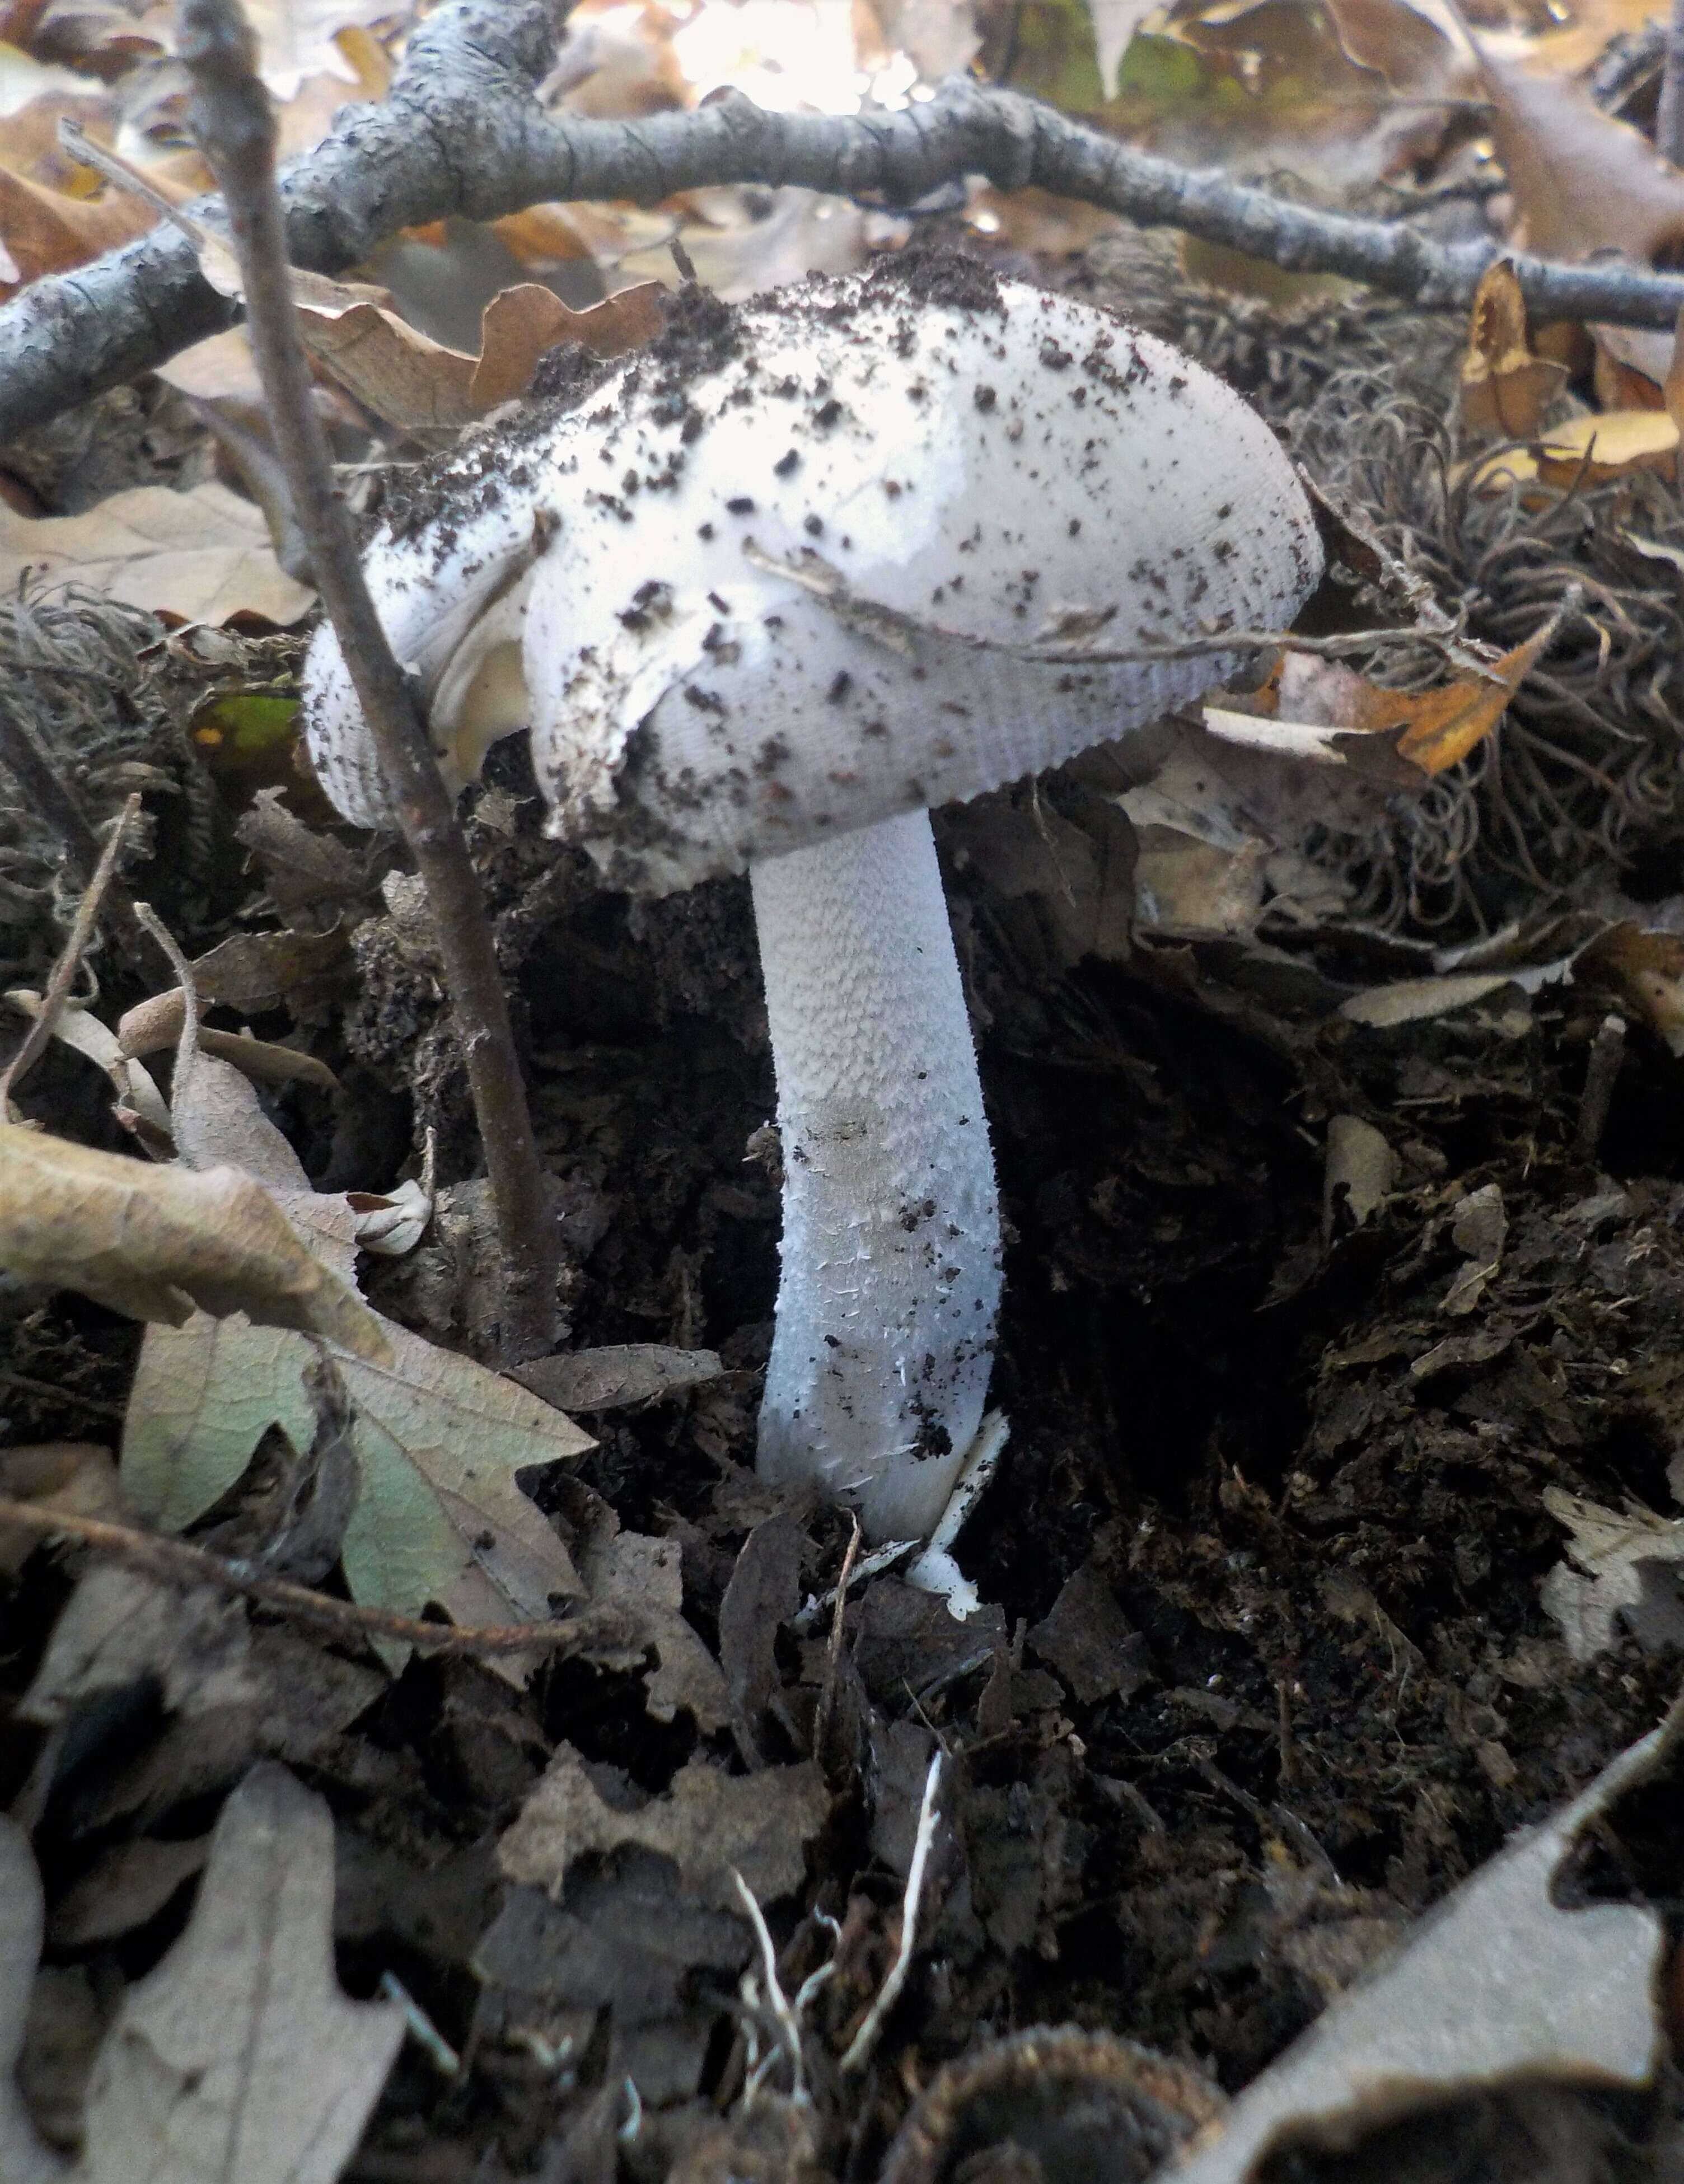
235	125
174	1562
462	131
864	2044
833	1658
70	955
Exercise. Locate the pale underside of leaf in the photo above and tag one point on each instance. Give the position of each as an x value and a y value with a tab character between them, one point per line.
203	555
239	2060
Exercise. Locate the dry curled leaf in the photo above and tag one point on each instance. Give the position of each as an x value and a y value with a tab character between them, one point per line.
47	231
418	384
1505	388
1333	711
156	1242
203	555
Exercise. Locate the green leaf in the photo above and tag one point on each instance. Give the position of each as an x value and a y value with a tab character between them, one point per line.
439	1519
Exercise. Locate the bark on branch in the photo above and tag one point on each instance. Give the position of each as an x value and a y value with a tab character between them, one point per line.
462	131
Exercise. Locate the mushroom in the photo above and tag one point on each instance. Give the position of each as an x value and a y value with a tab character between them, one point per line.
767	593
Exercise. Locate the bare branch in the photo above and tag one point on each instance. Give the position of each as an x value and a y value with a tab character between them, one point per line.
235	127
462	131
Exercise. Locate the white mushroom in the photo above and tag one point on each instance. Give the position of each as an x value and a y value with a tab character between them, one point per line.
769	592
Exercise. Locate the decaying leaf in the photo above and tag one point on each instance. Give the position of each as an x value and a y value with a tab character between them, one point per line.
1582	181
1429	730
418	384
1480	1229
1361	1172
618	1375
1622	1573
239	2056
155	1242
708	1823
47	231
78	1477
152	1026
1590	450
438	1439
1499	1985
307	874
203	555
645	1576
1505	388
80	1029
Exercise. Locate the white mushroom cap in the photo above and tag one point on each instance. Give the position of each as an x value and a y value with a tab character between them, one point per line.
997	464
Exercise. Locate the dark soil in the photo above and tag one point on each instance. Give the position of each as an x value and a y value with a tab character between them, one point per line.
1263	1671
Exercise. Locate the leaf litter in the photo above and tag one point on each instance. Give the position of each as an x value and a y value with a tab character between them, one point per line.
1327	1328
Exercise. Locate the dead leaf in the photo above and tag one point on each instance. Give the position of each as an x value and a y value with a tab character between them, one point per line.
1480	1229
618	1375
203	555
708	1823
1582	181
1089	1640
1428	730
1646	970
47	231
155	1242
1590	450
1622	1573
303	871
80	1029
646	1577
522	323
762	1594
78	1477
1499	1985
417	384
123	1888
1505	388
151	1026
120	1630
391	367
251	971
1361	1173
239	2056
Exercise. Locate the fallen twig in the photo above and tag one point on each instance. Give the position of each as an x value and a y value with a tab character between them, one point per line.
235	125
174	1562
70	955
462	131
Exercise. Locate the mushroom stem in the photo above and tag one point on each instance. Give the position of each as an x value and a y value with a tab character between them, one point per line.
890	1279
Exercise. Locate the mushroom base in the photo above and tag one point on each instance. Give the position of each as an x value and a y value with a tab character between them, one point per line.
889	1288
